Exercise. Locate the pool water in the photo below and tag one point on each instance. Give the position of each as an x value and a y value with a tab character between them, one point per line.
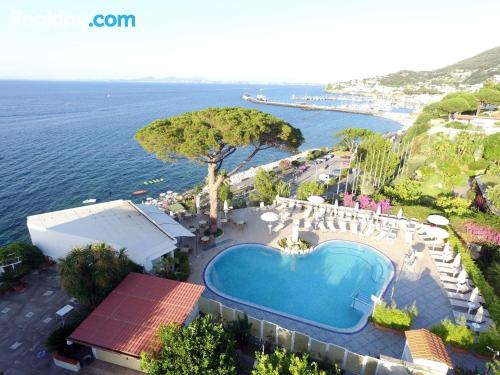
317	287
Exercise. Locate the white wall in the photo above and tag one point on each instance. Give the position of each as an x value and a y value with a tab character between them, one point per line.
117	359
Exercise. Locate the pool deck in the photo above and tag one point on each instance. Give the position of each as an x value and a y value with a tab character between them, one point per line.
420	284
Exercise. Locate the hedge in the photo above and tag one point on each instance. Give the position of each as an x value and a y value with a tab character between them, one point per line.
392	317
491	299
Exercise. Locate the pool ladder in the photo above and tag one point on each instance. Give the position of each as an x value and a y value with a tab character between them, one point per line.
361	301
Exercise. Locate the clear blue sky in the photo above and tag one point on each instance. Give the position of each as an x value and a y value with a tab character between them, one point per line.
258	40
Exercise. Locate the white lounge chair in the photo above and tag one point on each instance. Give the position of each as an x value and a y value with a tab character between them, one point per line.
381	235
354	227
342	226
321	226
408	236
368	231
307	225
278	227
331	225
393	234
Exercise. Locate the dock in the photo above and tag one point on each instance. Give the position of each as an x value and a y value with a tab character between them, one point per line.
310	107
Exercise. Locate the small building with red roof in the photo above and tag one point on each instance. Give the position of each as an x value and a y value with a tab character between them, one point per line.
426	349
126	323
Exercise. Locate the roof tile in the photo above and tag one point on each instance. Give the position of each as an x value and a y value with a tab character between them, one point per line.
426	345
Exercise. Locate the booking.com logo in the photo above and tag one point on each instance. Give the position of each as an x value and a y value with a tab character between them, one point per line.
111	20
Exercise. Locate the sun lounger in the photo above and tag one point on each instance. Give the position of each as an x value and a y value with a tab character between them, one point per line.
342	226
278	227
307	224
470	317
462	296
463	304
330	225
393	234
381	235
354	227
368	231
321	226
408	237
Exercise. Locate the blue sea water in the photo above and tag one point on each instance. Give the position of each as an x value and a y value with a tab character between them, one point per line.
317	287
63	142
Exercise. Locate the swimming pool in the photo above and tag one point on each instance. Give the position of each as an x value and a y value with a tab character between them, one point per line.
317	288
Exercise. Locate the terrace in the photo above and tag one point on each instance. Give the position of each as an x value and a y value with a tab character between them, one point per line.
417	282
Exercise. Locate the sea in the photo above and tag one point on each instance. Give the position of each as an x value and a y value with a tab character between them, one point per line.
64	142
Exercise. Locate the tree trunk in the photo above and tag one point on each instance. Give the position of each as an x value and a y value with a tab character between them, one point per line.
214	182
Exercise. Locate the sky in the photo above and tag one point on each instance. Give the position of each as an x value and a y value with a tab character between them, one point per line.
256	41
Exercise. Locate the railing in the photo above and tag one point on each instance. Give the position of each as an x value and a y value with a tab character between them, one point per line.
299	342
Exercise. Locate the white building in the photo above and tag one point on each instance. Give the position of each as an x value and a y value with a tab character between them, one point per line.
426	349
143	230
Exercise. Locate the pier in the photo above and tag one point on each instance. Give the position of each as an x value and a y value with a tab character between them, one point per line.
310	107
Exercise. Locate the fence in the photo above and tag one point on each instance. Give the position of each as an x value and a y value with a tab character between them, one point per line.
298	342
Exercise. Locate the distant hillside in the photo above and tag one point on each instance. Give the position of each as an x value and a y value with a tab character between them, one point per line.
471	71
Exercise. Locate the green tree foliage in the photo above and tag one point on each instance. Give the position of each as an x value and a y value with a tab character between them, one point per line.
174	268
225	193
240	329
30	255
457	104
404	190
487	95
264	185
201	348
309	188
350	137
393	317
470	98
280	362
453	205
91	272
210	136
491	146
489	338
314	154
376	151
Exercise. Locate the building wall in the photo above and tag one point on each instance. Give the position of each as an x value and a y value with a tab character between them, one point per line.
117	359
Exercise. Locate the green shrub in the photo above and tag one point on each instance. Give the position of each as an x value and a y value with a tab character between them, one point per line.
176	268
458	125
240	329
309	188
224	193
493	194
56	341
283	363
458	335
283	189
314	154
489	338
453	205
30	255
404	190
393	317
478	165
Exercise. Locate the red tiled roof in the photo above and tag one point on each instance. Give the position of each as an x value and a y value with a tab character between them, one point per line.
426	345
128	319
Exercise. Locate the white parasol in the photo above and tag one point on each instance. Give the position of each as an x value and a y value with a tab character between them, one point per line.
316	199
457	262
438	220
379	210
438	234
269	217
356	206
400	214
474	296
336	204
226	206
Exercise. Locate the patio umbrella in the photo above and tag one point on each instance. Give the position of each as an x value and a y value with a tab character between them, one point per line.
479	317
197	202
336	204
269	217
438	220
379	210
457	261
316	199
356	206
400	214
438	234
226	206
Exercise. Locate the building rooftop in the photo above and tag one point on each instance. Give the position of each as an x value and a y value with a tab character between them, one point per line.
144	231
127	321
426	345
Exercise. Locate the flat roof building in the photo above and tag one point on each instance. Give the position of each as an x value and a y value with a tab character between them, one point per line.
143	230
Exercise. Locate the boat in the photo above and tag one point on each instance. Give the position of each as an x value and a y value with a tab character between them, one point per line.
89	201
139	192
